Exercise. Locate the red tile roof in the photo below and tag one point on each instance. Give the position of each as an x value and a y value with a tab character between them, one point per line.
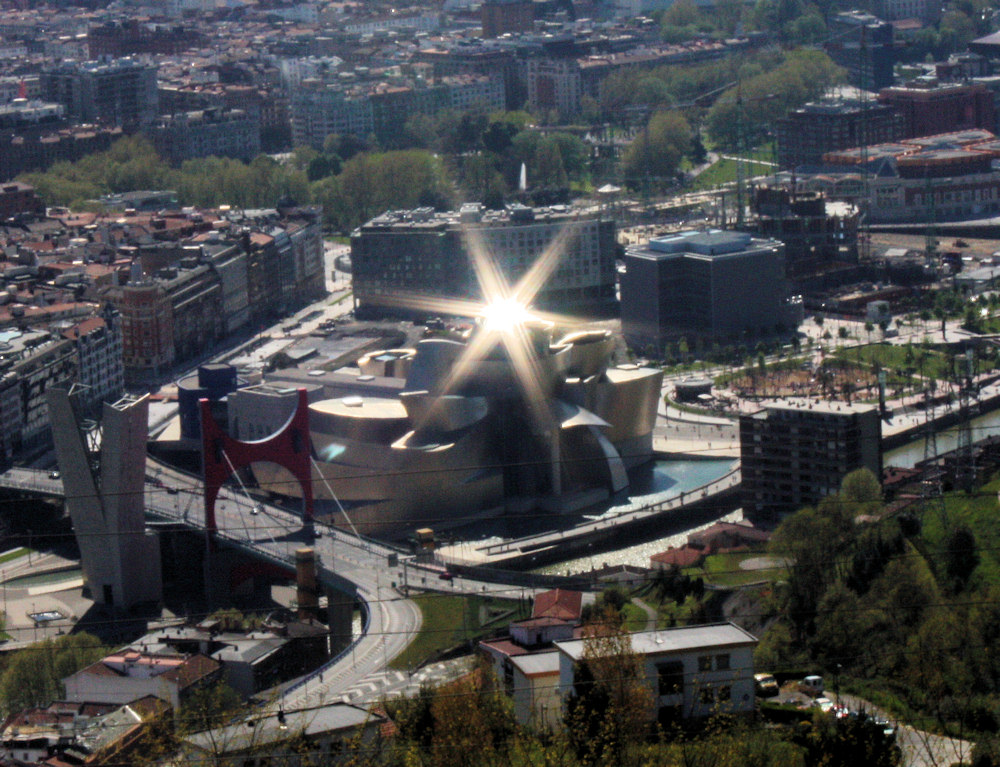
685	556
559	603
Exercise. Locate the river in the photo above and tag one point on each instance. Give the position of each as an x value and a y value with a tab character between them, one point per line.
947	439
685	475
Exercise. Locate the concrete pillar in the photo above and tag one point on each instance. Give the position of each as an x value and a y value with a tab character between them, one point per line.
340	619
306	588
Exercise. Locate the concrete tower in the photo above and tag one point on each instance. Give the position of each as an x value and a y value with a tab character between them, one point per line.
121	561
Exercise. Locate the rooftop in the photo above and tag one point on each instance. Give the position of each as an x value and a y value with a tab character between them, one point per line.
671	640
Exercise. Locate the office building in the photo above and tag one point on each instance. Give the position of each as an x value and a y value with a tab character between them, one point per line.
806	134
502	16
716	284
426	253
932	109
865	46
795	455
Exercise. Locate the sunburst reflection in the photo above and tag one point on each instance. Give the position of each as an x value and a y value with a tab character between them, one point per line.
505	318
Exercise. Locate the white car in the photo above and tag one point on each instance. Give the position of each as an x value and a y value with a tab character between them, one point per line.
823	704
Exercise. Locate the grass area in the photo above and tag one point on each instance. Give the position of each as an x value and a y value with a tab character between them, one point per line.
635	617
891	357
723	170
13	554
451	620
340	240
978	512
724	569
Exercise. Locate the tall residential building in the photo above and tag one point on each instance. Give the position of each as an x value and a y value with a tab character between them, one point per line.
207	133
794	456
120	92
715	284
502	16
98	343
554	84
420	252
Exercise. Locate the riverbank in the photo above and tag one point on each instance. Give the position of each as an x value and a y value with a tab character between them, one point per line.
613	528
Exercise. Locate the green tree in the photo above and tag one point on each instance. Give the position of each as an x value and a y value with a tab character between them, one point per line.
655	154
961	557
33	676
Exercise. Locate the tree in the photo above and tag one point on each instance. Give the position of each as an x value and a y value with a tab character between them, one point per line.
34	675
655	154
609	709
961	557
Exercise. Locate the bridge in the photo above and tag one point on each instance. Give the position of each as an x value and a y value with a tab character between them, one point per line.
349	565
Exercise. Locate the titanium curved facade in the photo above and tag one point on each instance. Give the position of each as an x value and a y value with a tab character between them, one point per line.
447	446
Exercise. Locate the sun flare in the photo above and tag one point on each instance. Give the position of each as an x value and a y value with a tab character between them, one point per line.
502	316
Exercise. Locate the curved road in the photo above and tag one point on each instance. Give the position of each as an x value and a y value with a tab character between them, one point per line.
347	563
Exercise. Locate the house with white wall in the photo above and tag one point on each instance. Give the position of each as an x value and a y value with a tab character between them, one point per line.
693	671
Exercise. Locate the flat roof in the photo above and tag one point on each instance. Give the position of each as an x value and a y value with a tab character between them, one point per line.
537	663
678	639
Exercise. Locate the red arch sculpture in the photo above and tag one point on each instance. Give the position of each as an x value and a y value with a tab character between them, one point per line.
288	447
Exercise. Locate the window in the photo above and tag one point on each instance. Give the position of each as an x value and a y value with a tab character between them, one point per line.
704	662
670	677
724	694
722	662
706	696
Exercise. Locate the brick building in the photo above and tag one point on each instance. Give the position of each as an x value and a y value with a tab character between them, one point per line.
931	109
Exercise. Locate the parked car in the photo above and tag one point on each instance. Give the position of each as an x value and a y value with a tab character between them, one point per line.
812	685
824	704
765	685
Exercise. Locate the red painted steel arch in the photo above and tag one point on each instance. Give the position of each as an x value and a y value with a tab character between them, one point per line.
288	447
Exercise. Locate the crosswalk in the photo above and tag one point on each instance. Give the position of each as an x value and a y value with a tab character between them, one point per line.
389	683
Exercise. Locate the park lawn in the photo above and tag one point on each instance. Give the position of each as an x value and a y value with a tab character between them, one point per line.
723	171
450	620
891	357
724	569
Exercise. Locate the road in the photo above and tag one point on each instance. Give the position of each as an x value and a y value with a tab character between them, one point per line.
345	562
920	748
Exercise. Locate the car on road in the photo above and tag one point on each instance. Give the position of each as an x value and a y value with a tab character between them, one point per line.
256	509
446	576
54	474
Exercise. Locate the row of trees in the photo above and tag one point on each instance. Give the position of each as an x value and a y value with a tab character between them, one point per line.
804	22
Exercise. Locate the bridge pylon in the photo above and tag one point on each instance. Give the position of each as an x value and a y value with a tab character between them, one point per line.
223	455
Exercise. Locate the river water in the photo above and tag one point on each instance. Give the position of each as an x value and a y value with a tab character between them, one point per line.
685	475
668	479
947	439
